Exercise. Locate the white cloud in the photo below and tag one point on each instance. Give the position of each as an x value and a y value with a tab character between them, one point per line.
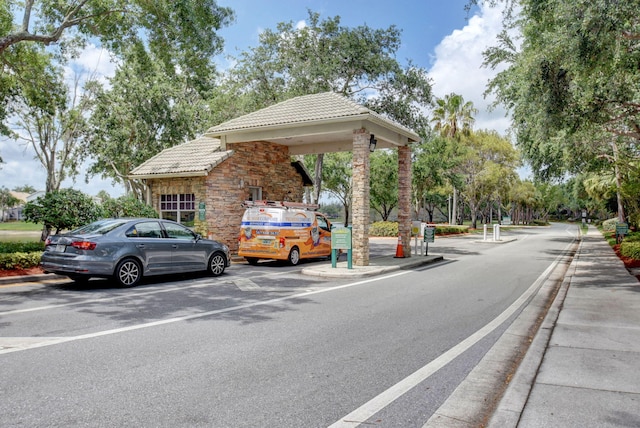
457	67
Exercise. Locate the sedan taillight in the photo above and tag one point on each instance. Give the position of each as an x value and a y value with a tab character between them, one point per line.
84	245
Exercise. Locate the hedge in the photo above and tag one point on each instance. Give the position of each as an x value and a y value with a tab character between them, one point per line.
21	247
19	260
609	225
20	255
390	228
630	249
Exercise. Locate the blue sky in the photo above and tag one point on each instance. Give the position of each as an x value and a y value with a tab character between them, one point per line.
424	23
438	35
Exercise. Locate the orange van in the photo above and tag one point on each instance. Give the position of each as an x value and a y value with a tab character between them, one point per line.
283	231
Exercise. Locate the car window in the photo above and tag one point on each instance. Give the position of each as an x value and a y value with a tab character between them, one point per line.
146	229
322	222
178	232
101	227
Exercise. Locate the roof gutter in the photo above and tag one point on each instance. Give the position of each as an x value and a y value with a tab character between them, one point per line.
168	175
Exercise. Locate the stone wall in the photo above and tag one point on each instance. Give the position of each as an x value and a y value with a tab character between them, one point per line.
404	198
360	207
256	164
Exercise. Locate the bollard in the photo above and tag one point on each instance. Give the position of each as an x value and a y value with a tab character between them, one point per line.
485	232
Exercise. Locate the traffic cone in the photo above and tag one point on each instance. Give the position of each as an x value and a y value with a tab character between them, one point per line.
399	249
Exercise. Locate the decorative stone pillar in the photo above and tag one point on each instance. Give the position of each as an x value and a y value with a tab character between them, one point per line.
360	199
404	198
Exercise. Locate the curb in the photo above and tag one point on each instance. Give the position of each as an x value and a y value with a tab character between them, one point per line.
365	271
17	279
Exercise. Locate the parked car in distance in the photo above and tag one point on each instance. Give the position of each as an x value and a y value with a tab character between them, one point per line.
127	249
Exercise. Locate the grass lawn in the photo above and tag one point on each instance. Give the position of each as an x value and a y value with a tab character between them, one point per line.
20	226
19	231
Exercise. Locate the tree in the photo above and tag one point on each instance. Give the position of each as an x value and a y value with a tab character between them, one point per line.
180	33
523	198
52	124
489	163
7	200
60	210
383	182
435	163
452	117
572	85
144	111
127	206
26	188
326	56
337	179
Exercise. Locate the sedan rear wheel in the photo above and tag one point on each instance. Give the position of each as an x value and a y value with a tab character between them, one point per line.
217	264
128	273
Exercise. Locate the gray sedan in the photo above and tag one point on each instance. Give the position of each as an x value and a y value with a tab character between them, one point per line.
127	249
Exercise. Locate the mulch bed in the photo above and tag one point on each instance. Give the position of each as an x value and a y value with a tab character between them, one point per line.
18	272
628	262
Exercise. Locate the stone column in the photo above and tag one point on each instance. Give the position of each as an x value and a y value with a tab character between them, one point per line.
404	198
360	198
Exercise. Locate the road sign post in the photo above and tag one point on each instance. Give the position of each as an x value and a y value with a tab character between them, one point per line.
429	236
341	240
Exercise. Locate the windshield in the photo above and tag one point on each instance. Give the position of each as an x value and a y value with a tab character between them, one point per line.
101	227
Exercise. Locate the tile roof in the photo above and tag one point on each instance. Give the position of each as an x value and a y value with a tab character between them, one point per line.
196	157
306	109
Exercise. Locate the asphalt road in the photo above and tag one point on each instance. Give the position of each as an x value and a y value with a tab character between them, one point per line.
263	346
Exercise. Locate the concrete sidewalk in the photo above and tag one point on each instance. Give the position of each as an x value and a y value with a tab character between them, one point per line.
583	366
377	266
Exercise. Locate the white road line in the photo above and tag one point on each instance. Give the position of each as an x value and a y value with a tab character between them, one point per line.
48	341
367	410
245	284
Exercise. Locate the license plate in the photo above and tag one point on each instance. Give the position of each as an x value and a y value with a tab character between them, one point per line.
267	241
60	248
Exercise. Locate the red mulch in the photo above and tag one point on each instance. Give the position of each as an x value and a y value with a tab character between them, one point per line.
16	272
628	262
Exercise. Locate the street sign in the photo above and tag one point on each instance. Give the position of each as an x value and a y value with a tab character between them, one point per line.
430	233
341	238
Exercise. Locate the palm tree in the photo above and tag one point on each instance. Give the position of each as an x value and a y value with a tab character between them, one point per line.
451	114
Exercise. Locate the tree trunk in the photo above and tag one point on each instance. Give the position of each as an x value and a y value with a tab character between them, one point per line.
454	208
621	216
317	179
346	214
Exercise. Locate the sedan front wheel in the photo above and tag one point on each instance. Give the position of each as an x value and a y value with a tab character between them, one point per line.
217	263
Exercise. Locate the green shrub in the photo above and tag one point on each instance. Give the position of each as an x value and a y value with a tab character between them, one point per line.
539	222
127	206
384	228
609	225
390	228
21	247
451	229
632	237
630	249
19	260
